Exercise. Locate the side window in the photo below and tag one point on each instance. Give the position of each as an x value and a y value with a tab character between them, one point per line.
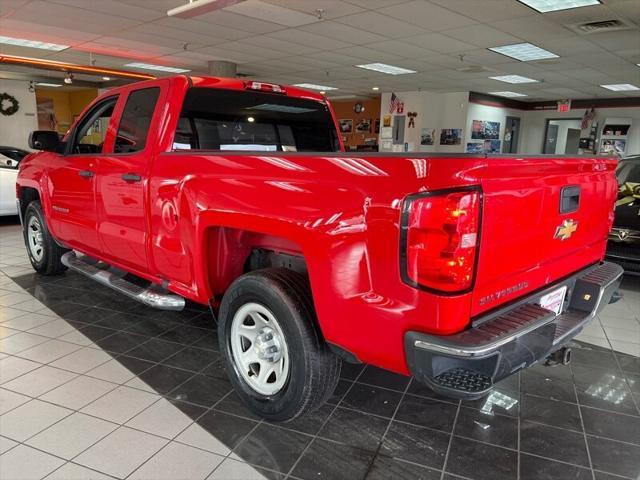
92	129
135	121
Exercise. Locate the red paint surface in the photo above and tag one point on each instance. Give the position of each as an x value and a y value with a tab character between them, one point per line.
196	215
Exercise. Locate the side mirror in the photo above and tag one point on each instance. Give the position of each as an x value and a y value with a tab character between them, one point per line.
44	140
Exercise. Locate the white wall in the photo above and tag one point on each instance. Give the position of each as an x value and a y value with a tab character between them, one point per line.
14	130
536	120
563	130
435	111
494	114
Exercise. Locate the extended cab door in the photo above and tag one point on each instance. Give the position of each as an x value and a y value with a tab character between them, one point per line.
121	182
72	215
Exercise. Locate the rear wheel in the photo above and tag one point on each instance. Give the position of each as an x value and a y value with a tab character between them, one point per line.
44	253
277	360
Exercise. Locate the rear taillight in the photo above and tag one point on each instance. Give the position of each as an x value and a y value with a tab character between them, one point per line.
439	239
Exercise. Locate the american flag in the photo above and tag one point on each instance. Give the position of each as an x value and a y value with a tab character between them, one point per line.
589	115
393	102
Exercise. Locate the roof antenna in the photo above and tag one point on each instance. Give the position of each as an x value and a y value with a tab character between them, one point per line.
320	13
461	56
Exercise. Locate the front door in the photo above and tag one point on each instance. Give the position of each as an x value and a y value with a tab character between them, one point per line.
72	180
121	183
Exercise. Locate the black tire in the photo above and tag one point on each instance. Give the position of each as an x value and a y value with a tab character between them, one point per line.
49	263
314	370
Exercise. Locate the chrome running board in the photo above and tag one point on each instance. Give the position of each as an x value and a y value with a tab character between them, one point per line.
152	295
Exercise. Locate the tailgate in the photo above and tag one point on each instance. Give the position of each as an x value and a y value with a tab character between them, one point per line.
527	240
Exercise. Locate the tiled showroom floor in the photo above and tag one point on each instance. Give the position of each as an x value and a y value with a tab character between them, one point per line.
95	386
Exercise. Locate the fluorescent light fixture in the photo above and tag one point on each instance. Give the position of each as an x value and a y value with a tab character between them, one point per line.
160	68
508	94
544	6
106	79
45	84
384	68
200	7
513	79
23	42
525	52
621	87
375	89
313	86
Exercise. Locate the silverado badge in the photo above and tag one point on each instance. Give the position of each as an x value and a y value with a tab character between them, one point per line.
623	234
566	229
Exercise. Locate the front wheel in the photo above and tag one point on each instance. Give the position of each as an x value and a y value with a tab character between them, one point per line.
44	253
277	360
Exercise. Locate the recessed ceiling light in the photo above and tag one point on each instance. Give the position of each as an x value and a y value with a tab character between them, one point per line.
45	84
23	42
513	79
621	87
544	6
384	68
313	86
375	89
160	68
525	52
508	94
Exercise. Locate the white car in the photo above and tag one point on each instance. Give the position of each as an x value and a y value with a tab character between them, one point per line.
9	160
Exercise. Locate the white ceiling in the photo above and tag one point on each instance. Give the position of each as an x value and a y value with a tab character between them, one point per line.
283	41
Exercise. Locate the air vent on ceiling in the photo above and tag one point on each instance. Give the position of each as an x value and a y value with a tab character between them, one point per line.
601	26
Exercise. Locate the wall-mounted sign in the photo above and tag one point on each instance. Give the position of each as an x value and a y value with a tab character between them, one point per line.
564	106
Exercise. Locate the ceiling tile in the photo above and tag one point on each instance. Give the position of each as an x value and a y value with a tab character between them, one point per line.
112	7
439	43
345	33
532	28
482	36
381	24
309	39
45	33
272	13
491	10
427	15
277	45
239	22
331	8
202	28
369	55
612	41
62	16
399	48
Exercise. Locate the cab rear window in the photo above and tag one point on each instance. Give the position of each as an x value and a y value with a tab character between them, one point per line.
229	120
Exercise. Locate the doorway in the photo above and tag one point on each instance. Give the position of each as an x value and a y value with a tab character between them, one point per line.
511	135
562	136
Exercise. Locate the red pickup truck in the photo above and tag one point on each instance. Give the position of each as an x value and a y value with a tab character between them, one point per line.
457	269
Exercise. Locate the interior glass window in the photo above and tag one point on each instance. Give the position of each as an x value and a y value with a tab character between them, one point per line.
92	129
228	120
135	121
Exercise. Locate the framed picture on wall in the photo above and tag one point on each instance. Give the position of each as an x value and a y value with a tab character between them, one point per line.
484	130
346	125
491	146
363	125
427	136
474	147
451	136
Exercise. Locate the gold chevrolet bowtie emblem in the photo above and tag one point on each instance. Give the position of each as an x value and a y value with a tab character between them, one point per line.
565	230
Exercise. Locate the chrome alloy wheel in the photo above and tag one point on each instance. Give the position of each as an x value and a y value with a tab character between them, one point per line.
259	349
35	239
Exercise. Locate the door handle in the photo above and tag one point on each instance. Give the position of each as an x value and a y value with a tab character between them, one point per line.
85	173
131	177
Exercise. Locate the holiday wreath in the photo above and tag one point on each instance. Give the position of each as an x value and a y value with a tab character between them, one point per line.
12	107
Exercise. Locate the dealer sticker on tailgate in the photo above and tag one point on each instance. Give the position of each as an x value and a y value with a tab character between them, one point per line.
553	301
